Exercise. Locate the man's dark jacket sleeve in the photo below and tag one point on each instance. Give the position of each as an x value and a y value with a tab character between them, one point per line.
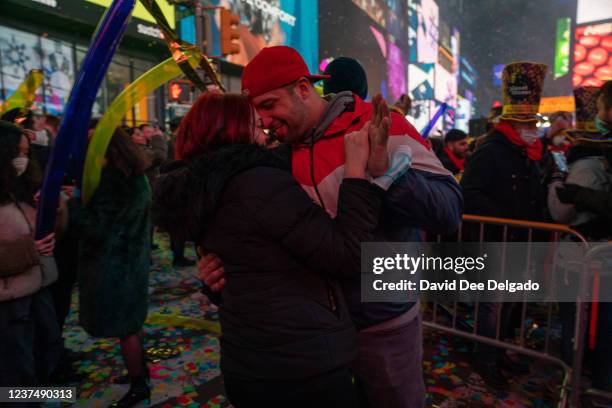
596	201
330	246
426	200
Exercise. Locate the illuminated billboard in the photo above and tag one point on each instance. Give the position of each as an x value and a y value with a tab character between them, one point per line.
373	9
498	70
422	111
468	74
557	103
427	31
421	79
562	48
266	23
593	10
445	86
396	72
142	13
413	25
592	55
383	55
463	114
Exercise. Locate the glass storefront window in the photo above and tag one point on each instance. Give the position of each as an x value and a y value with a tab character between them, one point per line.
58	65
19	53
145	110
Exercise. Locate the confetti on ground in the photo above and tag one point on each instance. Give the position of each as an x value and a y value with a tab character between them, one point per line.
182	342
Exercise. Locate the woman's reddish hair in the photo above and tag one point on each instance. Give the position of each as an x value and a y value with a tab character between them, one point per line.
213	121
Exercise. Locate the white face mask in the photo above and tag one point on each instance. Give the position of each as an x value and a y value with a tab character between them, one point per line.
529	135
42	139
20	164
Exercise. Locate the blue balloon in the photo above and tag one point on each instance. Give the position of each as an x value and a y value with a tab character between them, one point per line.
72	135
432	122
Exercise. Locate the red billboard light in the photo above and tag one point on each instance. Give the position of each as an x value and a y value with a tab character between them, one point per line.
592	55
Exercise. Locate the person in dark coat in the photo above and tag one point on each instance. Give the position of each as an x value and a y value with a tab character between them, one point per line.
583	201
177	243
113	272
453	154
287	336
503	179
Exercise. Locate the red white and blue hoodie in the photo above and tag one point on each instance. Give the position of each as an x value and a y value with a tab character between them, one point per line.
424	197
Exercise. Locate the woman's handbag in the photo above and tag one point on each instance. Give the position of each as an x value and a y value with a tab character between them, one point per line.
17	256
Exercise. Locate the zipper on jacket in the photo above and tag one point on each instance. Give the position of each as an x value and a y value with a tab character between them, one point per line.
312	173
331	298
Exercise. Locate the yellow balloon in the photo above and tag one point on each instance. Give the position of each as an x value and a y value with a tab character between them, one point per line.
23	97
134	93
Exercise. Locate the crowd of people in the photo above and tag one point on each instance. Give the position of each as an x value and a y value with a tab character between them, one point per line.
278	187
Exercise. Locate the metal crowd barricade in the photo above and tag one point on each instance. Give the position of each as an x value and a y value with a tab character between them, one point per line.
599	259
571	379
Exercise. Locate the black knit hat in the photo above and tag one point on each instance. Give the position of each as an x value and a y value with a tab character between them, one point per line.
347	74
454	135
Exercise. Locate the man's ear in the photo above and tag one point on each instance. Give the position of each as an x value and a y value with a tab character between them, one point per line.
303	88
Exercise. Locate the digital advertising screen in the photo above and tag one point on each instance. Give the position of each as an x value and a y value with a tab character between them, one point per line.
498	70
463	114
592	54
562	47
427	31
390	15
421	114
413	25
445	86
141	12
456	51
593	10
265	23
396	73
468	74
22	52
384	58
397	20
374	9
421	79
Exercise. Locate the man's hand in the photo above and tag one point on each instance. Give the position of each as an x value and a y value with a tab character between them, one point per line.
211	271
356	153
378	134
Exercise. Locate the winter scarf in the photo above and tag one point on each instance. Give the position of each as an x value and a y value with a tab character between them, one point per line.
459	163
534	150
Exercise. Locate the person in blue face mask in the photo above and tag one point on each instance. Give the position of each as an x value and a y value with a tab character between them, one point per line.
584	202
589	199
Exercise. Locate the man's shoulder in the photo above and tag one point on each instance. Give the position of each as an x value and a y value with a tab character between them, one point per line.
495	141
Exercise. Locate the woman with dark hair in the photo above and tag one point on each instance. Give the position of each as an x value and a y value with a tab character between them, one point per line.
287	336
29	336
114	258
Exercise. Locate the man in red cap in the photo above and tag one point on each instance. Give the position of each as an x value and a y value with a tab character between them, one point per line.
280	87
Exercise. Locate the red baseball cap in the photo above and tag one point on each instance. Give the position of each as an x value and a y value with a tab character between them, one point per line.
273	68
